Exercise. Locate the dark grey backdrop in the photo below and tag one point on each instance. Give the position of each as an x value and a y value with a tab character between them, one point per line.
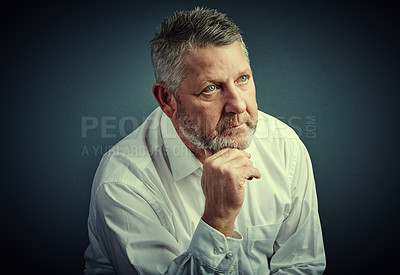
329	70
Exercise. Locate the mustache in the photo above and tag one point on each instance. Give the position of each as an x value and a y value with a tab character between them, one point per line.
234	120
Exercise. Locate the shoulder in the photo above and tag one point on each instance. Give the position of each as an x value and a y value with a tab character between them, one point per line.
276	141
269	127
126	160
278	145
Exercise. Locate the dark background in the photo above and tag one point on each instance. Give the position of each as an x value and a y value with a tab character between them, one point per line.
328	69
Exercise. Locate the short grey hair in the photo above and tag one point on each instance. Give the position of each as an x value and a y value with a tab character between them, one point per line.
184	31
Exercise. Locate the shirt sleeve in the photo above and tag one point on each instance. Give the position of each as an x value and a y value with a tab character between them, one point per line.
134	240
210	252
299	248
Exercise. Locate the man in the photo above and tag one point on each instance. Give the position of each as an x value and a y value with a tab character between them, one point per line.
208	184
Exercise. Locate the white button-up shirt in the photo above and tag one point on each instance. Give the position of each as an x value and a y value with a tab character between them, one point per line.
147	202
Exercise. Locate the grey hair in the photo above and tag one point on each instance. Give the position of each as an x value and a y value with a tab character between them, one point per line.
184	31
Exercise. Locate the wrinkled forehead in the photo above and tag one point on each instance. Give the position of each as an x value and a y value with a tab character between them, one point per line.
213	61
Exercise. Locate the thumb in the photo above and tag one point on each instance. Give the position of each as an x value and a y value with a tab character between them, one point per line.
253	173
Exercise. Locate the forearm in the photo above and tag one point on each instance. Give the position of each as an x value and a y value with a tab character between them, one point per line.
225	225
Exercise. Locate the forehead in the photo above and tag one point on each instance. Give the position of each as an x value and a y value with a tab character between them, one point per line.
216	62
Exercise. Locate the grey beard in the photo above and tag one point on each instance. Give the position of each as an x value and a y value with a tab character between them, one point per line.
203	141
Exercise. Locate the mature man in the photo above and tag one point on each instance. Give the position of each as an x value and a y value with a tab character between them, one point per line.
208	184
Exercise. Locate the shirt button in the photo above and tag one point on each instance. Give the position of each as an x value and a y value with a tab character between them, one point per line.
229	254
199	171
231	269
216	251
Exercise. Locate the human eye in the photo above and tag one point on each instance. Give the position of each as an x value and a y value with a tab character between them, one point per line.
243	78
210	89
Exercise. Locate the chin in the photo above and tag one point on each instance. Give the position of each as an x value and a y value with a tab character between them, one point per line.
240	141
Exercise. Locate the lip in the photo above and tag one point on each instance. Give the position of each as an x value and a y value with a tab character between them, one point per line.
236	126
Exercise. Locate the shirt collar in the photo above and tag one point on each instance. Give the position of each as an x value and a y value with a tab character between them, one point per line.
181	159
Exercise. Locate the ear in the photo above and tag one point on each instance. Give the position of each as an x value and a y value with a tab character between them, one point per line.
165	99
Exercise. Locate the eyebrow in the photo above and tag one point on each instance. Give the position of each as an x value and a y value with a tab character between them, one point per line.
207	81
215	81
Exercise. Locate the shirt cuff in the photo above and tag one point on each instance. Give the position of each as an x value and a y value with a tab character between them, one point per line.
214	249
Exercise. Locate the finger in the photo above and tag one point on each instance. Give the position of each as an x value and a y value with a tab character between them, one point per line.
247	154
253	173
238	159
216	155
233	152
227	155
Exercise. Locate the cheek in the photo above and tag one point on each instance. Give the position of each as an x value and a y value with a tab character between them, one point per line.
255	108
251	103
209	121
208	117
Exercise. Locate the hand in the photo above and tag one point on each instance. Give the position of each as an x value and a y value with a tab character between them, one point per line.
223	179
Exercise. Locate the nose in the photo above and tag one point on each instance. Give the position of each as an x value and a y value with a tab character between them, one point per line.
234	102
